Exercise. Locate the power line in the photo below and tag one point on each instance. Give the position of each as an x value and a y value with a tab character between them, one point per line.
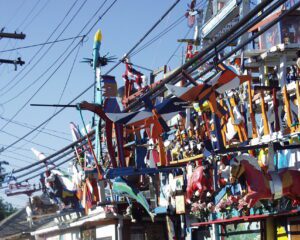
62	152
21	155
16	13
30	132
178	46
92	85
63	91
23	149
41	44
159	35
50	67
12	135
41	57
164	31
32	126
57	68
39	50
185	36
17	159
49	168
40	131
29	13
49	162
132	49
37	14
69	75
10	165
149	31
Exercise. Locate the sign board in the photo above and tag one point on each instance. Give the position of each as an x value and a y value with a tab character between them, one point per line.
221	20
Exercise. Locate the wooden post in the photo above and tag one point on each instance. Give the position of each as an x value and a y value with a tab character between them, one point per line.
251	112
223	123
283	82
270	229
264	113
216	116
298	99
241	129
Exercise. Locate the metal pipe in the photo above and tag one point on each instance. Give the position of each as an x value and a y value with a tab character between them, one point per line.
56	153
211	47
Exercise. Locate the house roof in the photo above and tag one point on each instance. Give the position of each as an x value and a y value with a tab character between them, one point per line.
17	225
67	221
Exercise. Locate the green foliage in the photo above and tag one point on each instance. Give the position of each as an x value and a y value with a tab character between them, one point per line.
6	209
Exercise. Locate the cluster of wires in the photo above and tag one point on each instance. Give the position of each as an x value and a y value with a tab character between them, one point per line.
70	151
56	159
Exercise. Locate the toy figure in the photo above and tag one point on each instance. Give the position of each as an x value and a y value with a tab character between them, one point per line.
200	182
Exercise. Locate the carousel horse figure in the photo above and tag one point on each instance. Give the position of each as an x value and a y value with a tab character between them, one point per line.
62	188
260	185
200	182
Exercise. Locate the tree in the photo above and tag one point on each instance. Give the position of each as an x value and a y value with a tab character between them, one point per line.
6	209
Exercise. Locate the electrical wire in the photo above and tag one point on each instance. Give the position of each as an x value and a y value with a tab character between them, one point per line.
39	50
69	75
108	72
92	85
60	65
40	131
36	15
132	49
51	117
14	158
58	154
29	13
16	13
20	155
178	46
10	165
61	95
32	126
49	168
20	149
41	57
159	35
38	174
164	31
12	135
41	44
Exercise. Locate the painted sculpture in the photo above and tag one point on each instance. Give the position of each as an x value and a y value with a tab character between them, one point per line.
272	185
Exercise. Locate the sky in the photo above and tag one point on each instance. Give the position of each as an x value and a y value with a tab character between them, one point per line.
124	24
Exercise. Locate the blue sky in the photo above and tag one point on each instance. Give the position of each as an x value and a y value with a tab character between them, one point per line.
122	27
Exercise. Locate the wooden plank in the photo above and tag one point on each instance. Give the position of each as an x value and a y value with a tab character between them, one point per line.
186	160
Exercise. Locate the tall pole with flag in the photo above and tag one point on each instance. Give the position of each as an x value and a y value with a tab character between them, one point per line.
98	99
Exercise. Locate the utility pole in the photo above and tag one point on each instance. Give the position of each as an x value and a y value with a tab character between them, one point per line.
14	36
2	170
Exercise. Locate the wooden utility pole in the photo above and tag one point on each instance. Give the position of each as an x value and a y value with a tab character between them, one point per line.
2	170
15	62
14	36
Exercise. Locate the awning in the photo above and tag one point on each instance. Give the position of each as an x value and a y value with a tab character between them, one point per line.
250	218
266	20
